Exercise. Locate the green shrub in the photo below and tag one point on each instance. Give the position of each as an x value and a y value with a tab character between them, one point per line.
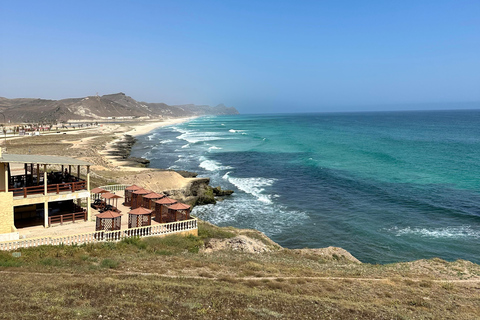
109	263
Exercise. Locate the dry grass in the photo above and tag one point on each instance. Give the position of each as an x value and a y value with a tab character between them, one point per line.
169	278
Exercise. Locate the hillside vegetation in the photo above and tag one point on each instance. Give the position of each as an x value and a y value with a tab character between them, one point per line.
178	278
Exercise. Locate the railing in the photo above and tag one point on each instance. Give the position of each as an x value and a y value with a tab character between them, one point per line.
111	188
51	188
102	236
67	218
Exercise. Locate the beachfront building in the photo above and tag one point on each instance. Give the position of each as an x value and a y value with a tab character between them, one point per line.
41	190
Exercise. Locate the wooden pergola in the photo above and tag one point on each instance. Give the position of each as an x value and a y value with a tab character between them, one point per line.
137	197
161	209
178	212
98	191
108	221
109	196
149	200
139	217
128	194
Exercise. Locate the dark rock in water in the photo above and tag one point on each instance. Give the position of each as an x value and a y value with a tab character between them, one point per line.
141	161
187	174
217	191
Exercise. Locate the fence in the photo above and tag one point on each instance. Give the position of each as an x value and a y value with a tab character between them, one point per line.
102	236
80	215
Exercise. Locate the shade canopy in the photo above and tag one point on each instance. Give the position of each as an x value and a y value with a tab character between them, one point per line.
111	196
179	206
140	210
141	191
108	215
133	188
98	190
153	195
166	201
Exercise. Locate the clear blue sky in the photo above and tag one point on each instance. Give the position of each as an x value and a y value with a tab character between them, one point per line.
259	56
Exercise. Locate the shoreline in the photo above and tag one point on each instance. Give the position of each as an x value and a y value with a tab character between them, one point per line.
134	131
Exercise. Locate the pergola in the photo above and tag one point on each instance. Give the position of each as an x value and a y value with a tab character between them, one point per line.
139	217
108	221
161	209
128	194
98	191
178	212
149	200
137	197
109	196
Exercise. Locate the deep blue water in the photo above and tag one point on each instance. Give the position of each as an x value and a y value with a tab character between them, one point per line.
386	186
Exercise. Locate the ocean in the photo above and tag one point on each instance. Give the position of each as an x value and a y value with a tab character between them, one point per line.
385	186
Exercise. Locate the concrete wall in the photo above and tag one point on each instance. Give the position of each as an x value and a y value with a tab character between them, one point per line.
6	212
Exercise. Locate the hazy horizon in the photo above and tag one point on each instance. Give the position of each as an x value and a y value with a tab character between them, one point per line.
259	57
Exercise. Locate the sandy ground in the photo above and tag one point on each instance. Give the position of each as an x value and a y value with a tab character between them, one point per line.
93	146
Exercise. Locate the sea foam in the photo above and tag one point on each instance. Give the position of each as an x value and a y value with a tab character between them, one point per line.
253	186
447	232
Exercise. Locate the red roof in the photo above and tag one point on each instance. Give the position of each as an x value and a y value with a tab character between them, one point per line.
98	190
154	195
111	196
141	191
108	215
140	210
179	206
166	200
133	187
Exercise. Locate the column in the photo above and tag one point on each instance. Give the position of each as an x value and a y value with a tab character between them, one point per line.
89	199
5	166
45	180
45	215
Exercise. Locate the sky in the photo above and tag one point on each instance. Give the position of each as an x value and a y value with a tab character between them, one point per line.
258	56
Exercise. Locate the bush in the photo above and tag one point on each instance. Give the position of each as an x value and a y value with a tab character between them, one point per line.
208	231
109	263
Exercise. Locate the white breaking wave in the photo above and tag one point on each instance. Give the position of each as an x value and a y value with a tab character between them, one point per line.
214	148
186	146
195	137
166	141
253	186
212	165
447	232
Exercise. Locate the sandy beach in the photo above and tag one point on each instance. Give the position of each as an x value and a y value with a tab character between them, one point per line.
96	145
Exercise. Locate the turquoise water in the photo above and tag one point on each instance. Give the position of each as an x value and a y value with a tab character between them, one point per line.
388	187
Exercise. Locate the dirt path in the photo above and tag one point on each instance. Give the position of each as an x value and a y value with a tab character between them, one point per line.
160	275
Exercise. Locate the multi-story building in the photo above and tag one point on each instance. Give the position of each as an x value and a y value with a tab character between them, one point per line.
41	190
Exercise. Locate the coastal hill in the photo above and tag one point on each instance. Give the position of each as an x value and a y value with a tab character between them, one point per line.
118	105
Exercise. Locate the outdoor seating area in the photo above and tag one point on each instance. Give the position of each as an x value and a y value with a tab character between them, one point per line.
146	208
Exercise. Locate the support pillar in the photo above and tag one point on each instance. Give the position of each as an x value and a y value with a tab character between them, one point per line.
78	173
5	167
45	214
89	199
38	174
45	180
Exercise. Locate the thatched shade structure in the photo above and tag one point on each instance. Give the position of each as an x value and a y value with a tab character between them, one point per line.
161	209
109	196
149	200
178	212
137	197
98	191
108	221
139	217
128	194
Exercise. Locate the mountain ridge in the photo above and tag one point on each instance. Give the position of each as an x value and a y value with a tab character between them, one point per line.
109	106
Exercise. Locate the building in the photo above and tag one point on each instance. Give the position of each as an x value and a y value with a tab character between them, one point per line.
41	190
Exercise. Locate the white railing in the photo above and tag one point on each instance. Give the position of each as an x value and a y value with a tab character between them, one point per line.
111	188
102	236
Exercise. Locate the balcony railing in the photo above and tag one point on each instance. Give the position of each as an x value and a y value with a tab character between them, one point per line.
71	217
51	188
